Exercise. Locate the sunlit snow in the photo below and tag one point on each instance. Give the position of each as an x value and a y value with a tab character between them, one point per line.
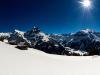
33	62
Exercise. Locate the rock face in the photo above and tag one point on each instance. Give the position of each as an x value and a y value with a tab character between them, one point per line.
82	43
51	47
33	36
16	37
22	46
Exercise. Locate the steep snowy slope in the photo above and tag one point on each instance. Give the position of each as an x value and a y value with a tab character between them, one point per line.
33	62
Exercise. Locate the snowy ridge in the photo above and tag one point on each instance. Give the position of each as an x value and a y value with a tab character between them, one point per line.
20	32
87	31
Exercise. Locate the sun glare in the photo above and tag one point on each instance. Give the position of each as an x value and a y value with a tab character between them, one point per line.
86	3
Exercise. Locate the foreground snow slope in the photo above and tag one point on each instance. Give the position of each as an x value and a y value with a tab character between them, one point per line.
34	62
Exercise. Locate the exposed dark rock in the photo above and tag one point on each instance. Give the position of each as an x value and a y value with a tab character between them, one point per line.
22	46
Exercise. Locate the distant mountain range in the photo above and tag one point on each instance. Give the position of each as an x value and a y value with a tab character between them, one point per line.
82	43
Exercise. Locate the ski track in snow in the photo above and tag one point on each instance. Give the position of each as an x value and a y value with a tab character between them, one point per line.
33	62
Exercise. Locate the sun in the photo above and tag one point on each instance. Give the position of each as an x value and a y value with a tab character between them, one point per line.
86	3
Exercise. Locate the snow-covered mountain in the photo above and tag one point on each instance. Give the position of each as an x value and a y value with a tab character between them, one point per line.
83	42
4	35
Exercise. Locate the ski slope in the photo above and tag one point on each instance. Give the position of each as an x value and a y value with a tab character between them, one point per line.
33	62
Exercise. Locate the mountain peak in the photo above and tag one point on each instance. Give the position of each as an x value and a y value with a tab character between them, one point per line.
87	31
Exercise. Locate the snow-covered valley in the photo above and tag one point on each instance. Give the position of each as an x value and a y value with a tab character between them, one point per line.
33	62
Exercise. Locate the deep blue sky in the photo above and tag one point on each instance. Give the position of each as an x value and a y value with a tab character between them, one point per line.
52	16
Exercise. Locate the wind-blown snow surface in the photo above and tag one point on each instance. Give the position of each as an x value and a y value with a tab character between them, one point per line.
33	62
